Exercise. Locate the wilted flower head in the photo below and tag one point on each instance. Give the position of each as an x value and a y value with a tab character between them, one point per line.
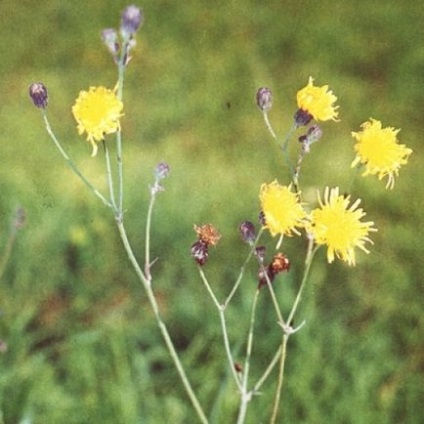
317	102
279	263
339	226
131	20
282	210
200	253
97	112
208	234
38	94
378	150
264	99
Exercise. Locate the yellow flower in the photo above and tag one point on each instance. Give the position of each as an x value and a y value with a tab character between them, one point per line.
339	226
378	149
281	208
317	101
97	112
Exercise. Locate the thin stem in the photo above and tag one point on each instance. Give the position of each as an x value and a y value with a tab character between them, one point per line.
119	95
165	334
72	165
147	262
268	125
273	297
280	380
221	311
245	396
109	176
267	372
242	269
308	261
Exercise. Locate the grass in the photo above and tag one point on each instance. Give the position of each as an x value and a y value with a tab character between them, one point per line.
82	344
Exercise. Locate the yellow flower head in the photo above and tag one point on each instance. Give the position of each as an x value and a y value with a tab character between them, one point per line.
338	225
281	208
97	112
378	149
317	101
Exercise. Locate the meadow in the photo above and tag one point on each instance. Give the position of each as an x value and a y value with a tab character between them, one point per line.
78	341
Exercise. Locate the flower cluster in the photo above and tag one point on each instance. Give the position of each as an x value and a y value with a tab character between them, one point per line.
334	224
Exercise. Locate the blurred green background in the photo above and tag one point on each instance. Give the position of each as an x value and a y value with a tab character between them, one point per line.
82	345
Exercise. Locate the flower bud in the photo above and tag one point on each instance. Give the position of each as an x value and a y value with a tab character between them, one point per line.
302	118
131	20
38	94
162	170
110	39
264	99
313	135
248	232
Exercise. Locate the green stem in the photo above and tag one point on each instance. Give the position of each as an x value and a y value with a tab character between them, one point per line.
109	176
242	269
287	328
280	380
72	165
221	311
162	327
245	396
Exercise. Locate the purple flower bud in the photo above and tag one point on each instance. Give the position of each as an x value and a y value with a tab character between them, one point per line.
110	38
264	99
131	20
302	118
248	232
199	251
38	94
162	170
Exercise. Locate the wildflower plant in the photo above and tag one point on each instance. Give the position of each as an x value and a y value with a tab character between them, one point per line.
336	221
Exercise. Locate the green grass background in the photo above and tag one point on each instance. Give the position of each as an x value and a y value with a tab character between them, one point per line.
82	343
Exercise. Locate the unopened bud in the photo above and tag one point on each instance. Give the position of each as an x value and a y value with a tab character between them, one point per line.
131	20
110	38
264	99
38	94
162	170
302	118
248	232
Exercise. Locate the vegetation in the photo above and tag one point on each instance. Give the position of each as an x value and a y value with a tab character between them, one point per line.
79	342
